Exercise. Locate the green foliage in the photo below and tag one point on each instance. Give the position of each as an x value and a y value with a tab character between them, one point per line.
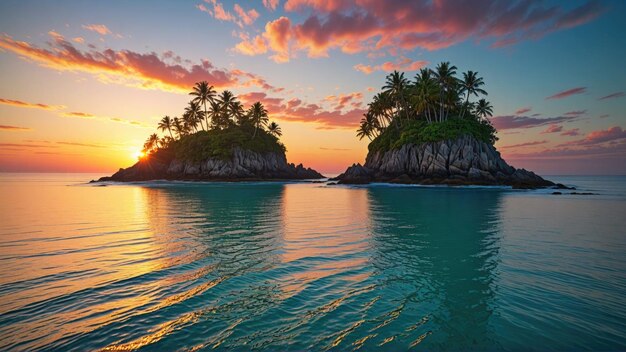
220	143
420	131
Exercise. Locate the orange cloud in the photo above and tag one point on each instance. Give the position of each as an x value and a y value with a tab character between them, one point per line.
145	71
340	101
278	34
218	12
251	46
247	17
98	28
402	64
270	4
296	110
23	104
361	25
14	128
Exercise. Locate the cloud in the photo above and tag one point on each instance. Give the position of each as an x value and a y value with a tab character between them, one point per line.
613	151
23	104
241	18
23	145
247	17
599	137
553	129
297	110
521	111
572	132
510	122
354	26
527	144
340	101
335	149
98	28
270	4
14	128
402	64
575	113
126	67
79	40
76	144
251	46
78	114
567	93
612	96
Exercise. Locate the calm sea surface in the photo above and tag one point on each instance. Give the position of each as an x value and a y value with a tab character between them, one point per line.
286	266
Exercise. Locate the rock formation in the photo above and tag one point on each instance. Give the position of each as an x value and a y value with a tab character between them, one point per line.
243	165
463	161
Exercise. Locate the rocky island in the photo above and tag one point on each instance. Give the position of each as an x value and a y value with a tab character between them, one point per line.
429	132
223	142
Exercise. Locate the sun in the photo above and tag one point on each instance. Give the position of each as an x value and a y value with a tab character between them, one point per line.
138	154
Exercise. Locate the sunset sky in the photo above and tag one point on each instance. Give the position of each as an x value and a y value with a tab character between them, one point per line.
84	83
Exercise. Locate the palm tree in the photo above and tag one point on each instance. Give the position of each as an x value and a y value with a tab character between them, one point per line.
369	127
166	123
258	116
471	85
193	115
203	93
237	111
151	143
274	129
483	109
396	86
444	75
425	93
215	112
179	127
228	108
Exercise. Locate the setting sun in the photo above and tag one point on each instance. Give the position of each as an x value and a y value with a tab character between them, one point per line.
138	154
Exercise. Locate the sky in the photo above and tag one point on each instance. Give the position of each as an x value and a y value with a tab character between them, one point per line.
84	83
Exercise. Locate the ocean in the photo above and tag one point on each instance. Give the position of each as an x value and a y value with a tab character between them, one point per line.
183	266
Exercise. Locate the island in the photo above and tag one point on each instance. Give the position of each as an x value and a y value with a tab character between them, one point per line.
430	131
215	140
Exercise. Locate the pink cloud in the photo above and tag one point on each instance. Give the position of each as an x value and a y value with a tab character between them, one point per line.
601	136
553	129
521	111
270	4
567	93
98	28
612	96
141	70
79	40
527	144
575	113
241	18
402	64
247	17
296	110
278	34
572	132
511	122
364	25
340	101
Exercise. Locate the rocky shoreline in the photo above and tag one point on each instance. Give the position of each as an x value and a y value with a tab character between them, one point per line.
464	161
244	165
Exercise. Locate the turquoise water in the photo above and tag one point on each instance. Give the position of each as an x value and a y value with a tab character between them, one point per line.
287	266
